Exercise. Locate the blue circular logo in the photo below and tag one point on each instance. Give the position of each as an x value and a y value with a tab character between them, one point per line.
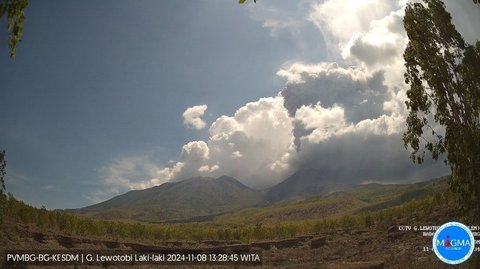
453	243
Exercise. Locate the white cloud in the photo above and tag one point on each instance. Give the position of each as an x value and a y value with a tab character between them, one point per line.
323	122
257	144
348	121
345	120
193	161
384	41
349	152
339	20
249	146
125	174
192	117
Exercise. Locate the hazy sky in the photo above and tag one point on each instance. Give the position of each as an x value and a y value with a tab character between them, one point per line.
108	96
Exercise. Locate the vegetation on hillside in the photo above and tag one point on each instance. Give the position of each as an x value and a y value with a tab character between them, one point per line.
3	165
185	199
368	197
40	219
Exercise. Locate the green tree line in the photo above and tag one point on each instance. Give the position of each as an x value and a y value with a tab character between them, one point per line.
17	212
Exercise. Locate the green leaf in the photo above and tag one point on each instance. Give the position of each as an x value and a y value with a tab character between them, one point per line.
443	91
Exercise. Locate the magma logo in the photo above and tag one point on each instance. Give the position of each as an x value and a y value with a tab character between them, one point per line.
453	243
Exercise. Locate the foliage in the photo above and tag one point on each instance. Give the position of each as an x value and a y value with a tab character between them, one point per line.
368	196
18	216
3	165
14	11
22	215
444	97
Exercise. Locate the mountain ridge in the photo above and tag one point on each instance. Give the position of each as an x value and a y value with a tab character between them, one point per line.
204	198
303	184
193	197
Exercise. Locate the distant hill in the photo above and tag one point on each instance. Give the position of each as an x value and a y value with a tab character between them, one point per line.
352	200
313	231
304	195
195	197
303	184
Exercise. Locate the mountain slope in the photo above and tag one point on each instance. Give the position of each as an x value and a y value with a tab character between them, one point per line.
189	198
353	200
305	183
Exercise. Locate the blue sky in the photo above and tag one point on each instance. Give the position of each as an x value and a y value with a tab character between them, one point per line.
94	100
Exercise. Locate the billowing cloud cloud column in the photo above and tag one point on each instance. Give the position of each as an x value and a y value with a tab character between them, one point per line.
360	93
343	119
253	146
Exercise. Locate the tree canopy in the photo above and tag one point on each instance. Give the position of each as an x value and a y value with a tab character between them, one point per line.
3	164
443	73
14	11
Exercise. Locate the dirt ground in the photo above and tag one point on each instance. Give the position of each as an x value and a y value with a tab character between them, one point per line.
358	248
